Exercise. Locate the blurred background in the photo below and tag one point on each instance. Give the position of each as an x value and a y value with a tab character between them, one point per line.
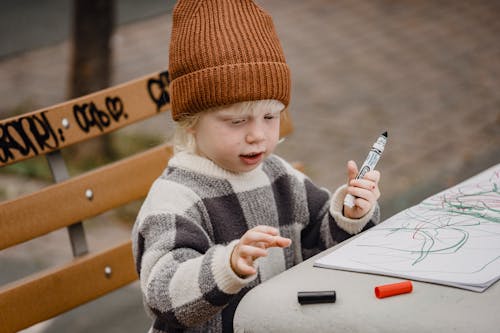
428	72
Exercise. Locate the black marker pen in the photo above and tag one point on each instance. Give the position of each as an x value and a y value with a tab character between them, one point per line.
313	297
369	164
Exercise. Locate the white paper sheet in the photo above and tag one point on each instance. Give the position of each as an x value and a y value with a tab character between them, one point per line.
451	238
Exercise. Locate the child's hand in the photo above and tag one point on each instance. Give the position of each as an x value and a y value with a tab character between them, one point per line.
253	245
365	190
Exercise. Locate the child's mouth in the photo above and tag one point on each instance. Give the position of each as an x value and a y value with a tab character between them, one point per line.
251	159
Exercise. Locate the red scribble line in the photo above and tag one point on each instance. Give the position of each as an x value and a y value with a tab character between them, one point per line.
417	229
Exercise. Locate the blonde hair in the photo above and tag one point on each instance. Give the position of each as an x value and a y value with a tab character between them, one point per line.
184	140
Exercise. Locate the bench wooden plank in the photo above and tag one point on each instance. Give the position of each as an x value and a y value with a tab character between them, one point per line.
48	294
49	129
65	203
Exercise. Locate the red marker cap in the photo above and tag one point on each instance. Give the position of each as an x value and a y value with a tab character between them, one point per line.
393	289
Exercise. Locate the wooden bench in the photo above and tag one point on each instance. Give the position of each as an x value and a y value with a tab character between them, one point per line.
69	201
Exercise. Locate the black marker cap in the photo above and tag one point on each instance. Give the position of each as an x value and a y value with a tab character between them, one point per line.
313	297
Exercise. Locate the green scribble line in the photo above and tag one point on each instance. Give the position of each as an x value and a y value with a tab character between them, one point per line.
447	220
486	265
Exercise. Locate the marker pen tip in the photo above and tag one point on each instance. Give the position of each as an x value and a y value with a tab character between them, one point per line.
385	134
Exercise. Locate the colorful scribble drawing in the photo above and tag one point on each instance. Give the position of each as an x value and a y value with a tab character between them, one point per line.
451	238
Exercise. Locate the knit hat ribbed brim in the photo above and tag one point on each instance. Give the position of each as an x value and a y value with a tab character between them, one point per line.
223	52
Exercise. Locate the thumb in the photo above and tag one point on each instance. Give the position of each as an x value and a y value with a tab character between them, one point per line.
352	170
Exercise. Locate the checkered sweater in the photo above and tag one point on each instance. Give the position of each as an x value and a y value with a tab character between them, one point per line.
194	215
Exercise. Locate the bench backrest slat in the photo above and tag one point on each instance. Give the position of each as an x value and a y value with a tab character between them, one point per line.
48	294
84	118
65	203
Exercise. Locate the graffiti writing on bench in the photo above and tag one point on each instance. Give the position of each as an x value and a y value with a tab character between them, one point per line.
27	135
157	89
33	134
87	115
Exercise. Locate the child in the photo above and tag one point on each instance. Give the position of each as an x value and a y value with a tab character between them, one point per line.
227	214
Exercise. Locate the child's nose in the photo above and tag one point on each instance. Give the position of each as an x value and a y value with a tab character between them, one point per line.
255	134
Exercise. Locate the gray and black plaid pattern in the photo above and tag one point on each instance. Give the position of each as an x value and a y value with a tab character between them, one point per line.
188	224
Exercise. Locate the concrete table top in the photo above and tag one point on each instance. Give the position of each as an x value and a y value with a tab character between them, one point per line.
273	306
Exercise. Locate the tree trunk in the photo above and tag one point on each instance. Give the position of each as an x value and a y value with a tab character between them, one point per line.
93	22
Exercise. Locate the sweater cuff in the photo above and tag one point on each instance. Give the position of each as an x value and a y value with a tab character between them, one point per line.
226	279
352	226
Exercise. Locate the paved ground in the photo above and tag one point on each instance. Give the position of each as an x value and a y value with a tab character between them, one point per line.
428	72
29	24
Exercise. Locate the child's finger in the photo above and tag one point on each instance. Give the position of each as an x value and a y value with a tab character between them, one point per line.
362	193
264	241
261	245
266	229
363	183
352	170
362	204
373	175
252	237
280	242
251	251
244	268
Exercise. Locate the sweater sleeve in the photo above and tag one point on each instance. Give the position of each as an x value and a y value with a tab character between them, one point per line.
185	279
327	226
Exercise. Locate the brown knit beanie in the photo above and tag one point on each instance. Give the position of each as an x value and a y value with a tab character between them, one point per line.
223	52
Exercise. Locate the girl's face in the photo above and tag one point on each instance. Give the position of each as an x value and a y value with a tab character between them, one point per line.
237	140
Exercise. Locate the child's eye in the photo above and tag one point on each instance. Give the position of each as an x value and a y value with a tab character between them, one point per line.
270	116
237	121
